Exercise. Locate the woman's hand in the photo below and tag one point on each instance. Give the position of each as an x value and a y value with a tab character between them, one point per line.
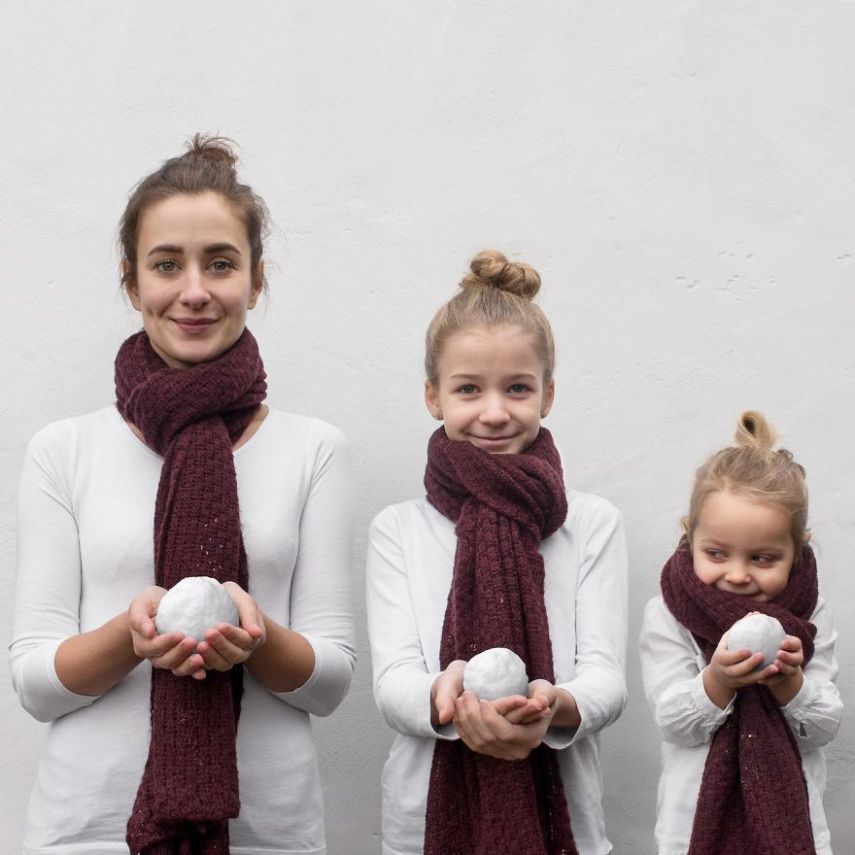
171	651
225	645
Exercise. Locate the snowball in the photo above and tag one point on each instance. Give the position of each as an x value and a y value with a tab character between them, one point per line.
758	633
193	605
495	673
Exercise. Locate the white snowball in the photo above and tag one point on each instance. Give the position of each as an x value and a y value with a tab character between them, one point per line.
194	605
495	673
758	633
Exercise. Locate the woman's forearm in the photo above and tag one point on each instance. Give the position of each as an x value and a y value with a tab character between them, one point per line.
94	661
284	662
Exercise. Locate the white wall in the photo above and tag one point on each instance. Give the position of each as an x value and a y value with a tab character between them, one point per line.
681	174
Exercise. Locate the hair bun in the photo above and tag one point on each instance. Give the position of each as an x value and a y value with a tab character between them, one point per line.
491	269
753	431
213	149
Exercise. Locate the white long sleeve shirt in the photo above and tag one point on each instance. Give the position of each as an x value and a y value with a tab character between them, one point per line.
671	666
410	563
85	550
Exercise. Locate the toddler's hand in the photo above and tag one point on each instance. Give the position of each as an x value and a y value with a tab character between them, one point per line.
788	677
730	670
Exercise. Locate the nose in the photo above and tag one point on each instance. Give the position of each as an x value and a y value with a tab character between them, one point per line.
494	413
194	292
737	573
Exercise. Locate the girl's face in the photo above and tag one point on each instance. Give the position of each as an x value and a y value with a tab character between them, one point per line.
193	284
742	546
490	390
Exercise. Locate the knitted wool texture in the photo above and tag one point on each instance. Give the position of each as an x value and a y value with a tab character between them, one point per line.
192	417
503	505
753	798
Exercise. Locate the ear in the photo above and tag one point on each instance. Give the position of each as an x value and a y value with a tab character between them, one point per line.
432	400
130	285
257	285
548	398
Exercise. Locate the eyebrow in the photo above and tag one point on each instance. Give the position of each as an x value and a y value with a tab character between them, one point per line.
712	541
464	376
178	250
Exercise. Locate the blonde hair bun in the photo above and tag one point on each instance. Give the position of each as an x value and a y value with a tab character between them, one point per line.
491	269
753	431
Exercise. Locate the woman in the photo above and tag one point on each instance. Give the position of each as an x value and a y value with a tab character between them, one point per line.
255	497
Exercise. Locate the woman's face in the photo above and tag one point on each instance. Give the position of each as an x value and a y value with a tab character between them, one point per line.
193	282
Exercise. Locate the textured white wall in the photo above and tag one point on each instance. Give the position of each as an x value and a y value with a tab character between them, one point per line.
680	173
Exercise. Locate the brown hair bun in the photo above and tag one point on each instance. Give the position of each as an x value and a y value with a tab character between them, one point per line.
491	269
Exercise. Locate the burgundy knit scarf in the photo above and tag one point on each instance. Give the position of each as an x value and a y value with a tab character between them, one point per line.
753	798
503	505
191	416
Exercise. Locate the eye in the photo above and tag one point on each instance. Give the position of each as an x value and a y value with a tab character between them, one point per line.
221	265
467	389
763	559
715	554
519	389
166	265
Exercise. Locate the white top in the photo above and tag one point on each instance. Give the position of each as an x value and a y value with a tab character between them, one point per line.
410	562
85	550
671	665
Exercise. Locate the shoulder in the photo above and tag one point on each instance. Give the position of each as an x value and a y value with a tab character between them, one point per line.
303	429
589	506
657	620
410	515
591	516
298	442
67	435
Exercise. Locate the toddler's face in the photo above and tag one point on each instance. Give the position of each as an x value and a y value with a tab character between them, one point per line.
742	546
490	389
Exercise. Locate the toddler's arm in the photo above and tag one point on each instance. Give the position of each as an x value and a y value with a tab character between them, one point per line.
814	714
671	669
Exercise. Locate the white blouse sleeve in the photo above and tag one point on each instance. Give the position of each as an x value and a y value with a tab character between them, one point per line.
402	682
671	669
599	684
47	596
814	714
321	606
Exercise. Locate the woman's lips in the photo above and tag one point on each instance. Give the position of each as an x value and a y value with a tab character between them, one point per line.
193	326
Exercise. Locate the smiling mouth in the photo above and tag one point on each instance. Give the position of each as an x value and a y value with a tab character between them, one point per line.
193	325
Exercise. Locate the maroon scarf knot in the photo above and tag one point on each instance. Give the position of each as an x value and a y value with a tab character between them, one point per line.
753	798
503	506
191	416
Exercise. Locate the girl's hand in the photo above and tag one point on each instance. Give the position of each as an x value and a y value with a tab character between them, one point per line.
172	651
488	727
225	645
446	689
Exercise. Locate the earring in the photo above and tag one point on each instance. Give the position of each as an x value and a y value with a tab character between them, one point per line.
437	414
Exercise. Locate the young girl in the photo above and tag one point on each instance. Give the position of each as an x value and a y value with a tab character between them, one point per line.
743	760
500	553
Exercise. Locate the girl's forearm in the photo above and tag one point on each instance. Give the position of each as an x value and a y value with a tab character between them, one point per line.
567	712
285	661
94	661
